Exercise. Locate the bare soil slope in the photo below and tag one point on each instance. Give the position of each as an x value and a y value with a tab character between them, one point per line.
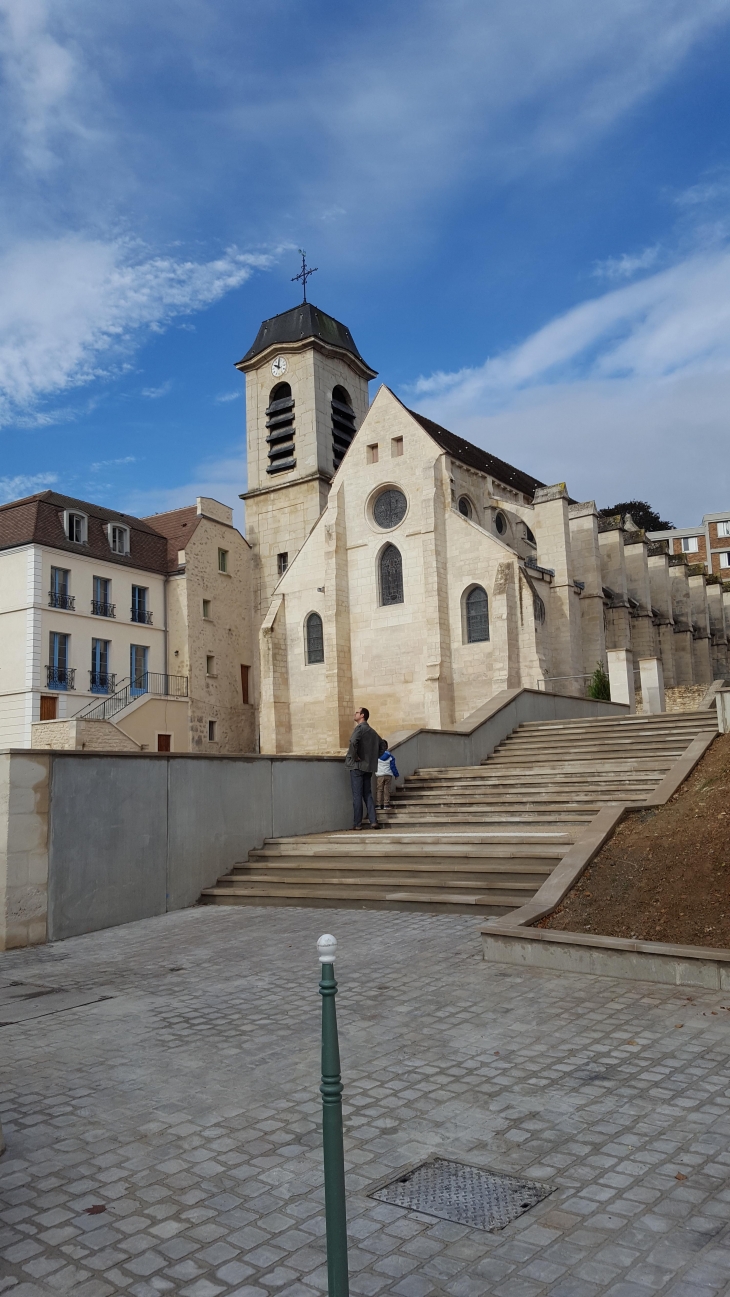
665	874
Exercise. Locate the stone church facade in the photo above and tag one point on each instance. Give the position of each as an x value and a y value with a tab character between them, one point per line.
396	565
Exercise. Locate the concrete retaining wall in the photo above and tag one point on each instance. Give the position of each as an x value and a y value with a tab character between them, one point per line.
92	839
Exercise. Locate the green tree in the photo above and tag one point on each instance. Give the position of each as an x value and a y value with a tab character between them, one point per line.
599	686
641	512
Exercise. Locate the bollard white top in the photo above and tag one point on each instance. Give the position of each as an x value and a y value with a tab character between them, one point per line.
326	948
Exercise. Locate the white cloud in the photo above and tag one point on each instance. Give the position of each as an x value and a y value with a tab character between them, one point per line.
221	479
626	395
71	307
14	488
627	265
155	393
109	463
225	397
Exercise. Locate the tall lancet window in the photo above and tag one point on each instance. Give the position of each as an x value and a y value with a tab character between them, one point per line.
280	423
343	424
391	575
477	615
314	634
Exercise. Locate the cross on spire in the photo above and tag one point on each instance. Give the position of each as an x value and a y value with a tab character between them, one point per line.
304	273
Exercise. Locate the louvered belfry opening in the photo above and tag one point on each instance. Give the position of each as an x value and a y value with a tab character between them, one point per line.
343	424
280	423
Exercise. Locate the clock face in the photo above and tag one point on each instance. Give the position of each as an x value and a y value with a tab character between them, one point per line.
278	366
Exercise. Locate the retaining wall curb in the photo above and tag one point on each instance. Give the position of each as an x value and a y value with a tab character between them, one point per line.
512	940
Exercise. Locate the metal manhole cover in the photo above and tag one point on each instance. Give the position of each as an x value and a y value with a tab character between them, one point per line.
464	1194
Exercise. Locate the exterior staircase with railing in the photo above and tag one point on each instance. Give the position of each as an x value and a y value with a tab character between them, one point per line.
474	839
154	683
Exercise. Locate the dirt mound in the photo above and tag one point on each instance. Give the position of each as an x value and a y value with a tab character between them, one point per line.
665	874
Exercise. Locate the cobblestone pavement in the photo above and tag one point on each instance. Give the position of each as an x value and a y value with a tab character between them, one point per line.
186	1104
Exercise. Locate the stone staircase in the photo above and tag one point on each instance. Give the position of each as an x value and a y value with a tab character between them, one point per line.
473	839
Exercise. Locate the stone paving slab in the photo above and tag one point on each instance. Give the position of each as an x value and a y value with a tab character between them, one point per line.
186	1105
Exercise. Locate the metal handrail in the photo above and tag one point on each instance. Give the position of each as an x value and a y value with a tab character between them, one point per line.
157	683
100	608
60	677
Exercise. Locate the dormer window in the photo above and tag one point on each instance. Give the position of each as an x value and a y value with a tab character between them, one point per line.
343	425
76	526
118	538
280	423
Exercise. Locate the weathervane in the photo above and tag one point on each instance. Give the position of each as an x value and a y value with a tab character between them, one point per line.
304	273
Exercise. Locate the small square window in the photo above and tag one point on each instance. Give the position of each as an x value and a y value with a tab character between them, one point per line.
282	562
725	558
211	731
396	447
372	452
210	665
222	560
690	544
206	609
723	528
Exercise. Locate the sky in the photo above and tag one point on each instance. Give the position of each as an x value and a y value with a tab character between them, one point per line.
520	208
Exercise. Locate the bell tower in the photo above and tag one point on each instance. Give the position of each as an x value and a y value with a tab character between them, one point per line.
306	396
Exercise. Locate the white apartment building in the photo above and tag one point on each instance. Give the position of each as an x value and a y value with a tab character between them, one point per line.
82	609
144	623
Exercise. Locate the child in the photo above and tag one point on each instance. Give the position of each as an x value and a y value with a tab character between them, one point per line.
387	769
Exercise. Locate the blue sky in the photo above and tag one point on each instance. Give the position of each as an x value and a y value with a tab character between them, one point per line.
521	208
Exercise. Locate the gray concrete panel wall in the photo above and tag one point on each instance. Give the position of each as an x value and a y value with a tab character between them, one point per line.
216	811
309	796
107	853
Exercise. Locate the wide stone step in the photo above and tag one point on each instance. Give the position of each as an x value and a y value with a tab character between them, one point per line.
446	900
399	851
337	874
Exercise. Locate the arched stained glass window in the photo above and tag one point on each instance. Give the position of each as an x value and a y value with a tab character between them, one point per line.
539	609
391	575
465	506
390	508
477	615
314	638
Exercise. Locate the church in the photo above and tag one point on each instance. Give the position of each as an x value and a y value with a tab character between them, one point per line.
397	566
387	563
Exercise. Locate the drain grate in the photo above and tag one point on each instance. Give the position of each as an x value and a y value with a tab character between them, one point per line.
465	1194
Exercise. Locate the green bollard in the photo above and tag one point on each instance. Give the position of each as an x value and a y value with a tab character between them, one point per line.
334	1157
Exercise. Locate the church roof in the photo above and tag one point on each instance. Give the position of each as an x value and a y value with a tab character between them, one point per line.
303	321
463	450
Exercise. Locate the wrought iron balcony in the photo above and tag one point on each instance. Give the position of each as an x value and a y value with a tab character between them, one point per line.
67	601
60	677
102	682
142	615
101	609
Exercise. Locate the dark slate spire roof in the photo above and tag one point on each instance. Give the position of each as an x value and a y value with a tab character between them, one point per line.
477	458
303	321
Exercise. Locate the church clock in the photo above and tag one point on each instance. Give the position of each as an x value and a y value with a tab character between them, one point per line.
279	366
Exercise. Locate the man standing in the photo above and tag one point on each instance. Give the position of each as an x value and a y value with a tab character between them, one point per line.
362	762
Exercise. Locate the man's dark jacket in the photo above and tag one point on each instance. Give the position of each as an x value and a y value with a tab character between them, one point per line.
365	748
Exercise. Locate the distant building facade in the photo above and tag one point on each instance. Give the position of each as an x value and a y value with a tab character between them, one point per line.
95	613
708	544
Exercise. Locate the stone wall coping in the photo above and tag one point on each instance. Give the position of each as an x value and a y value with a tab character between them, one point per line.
176	756
501	929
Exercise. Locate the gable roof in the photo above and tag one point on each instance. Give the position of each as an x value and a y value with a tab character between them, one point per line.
38	519
177	526
473	456
303	321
